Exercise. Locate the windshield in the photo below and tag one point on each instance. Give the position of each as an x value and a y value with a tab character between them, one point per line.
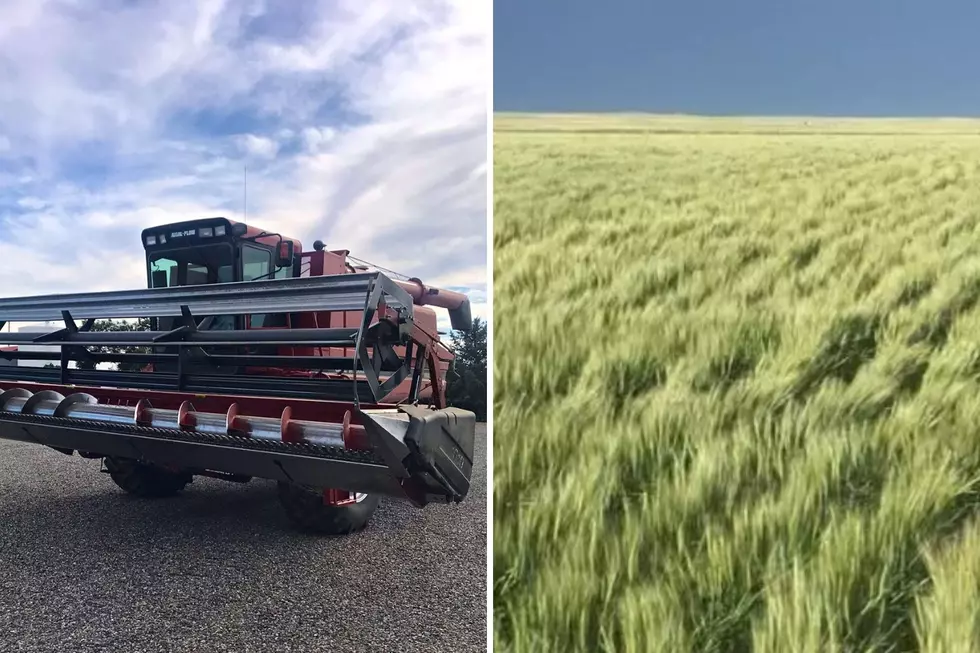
207	264
192	266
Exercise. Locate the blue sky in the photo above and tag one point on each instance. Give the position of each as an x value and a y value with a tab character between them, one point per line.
762	57
362	124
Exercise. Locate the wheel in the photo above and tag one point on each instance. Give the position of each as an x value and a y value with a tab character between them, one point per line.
145	481
306	509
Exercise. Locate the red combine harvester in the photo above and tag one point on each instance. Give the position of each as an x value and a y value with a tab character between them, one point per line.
262	361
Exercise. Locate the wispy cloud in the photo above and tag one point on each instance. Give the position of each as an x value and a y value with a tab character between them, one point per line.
361	123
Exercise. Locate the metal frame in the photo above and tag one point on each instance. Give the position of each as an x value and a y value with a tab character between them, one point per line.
400	312
339	292
387	323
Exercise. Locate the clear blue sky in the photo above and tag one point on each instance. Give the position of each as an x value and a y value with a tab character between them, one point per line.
768	57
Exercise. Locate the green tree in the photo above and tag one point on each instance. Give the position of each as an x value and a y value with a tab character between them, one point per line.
466	382
142	324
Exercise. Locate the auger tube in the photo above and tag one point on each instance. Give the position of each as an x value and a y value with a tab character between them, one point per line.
84	407
406	452
456	303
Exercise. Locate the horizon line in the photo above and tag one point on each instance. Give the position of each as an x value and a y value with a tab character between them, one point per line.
779	116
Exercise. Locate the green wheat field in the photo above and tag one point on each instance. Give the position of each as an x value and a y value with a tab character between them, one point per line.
737	384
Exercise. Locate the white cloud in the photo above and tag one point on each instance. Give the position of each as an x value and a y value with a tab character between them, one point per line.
362	124
32	203
315	138
258	146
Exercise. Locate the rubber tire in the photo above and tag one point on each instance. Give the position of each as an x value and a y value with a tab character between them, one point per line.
305	509
145	481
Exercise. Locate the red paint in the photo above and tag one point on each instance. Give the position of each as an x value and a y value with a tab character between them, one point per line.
333	497
230	417
355	437
284	419
184	417
324	262
139	414
271	241
423	295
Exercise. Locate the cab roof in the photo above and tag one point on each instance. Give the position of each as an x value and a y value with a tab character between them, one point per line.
250	231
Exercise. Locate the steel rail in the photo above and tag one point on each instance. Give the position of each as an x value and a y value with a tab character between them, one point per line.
335	337
247	360
341	292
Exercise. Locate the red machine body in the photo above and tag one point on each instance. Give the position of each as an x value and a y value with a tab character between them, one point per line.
321	262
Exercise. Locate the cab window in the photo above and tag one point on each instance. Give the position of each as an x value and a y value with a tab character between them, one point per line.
256	263
191	266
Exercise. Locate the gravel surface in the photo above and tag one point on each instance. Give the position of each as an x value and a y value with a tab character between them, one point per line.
84	567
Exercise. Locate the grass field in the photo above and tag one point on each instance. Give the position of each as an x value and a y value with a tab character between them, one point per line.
737	384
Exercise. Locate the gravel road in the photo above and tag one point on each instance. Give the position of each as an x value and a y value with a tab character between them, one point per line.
84	567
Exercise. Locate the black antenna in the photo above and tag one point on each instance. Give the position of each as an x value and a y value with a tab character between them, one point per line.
245	197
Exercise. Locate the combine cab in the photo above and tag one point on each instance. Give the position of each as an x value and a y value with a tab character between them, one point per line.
261	361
